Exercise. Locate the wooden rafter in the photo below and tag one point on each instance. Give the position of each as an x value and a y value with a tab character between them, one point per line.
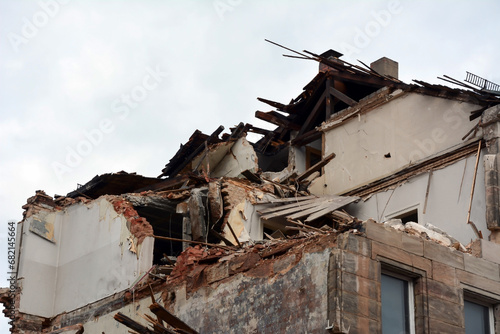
277	119
313	114
277	105
341	96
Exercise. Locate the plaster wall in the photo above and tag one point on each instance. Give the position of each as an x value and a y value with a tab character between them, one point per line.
299	155
411	128
447	203
37	266
89	260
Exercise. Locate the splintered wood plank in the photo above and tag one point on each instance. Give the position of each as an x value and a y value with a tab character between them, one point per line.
170	319
312	208
78	328
329	104
306	204
312	115
288	199
300	205
306	138
319	214
260	131
341	96
282	212
288	206
123	319
277	105
277	119
334	206
316	167
300	214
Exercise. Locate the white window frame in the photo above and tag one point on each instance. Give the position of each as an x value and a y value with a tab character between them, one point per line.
479	300
402	212
411	295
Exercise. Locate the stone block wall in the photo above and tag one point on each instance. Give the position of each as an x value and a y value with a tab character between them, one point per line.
441	276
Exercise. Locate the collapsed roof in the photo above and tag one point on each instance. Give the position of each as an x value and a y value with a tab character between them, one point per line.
209	161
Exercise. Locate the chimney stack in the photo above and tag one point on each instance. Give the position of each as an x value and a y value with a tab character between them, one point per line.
385	66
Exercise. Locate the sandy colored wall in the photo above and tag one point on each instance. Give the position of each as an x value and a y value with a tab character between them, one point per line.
447	203
410	128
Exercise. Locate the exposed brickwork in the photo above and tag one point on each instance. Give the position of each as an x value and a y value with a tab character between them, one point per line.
139	226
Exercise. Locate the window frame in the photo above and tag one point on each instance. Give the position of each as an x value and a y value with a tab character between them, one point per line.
407	211
420	297
310	153
483	298
409	279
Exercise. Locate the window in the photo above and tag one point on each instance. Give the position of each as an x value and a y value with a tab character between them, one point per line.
397	305
313	156
410	216
477	318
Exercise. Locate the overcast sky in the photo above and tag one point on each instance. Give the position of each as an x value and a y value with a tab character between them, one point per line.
92	87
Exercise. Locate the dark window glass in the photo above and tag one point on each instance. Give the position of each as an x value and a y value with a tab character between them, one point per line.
411	216
395	305
477	318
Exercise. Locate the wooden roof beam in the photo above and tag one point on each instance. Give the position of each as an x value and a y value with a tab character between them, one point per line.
312	115
277	105
306	138
365	79
259	131
277	119
342	97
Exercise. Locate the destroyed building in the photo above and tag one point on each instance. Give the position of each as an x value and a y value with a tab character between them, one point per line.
372	207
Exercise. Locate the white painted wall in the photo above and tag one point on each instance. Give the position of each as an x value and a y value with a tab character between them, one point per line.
89	260
37	267
411	127
447	205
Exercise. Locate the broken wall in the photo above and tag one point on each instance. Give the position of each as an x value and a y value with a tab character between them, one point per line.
88	260
282	294
227	159
332	283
